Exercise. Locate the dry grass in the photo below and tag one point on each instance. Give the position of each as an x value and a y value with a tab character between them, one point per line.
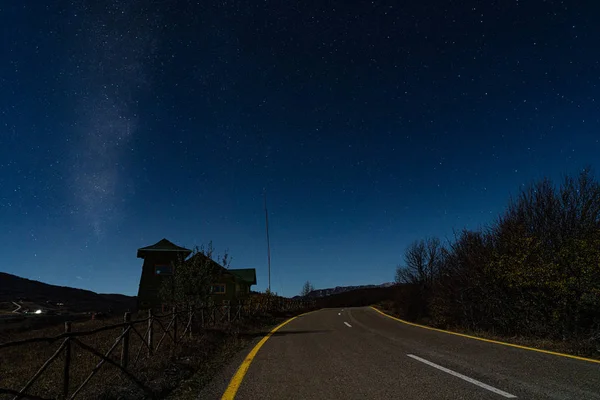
21	362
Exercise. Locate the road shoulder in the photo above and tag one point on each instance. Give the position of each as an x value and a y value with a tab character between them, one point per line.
212	380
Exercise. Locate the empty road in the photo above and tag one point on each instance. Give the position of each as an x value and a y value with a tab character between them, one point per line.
358	353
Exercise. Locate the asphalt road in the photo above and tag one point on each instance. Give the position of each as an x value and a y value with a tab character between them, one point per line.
357	353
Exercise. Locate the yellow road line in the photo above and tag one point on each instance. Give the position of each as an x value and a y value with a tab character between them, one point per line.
236	381
489	340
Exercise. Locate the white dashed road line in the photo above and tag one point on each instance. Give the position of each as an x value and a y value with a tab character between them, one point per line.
347	324
463	377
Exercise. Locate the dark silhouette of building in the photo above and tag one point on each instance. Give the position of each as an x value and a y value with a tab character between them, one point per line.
160	260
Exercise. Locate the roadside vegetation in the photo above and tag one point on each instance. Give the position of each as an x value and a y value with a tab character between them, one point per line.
534	273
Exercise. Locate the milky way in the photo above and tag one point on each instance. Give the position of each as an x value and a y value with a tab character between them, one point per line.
117	43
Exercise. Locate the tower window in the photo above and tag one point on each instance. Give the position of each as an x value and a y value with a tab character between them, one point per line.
163	270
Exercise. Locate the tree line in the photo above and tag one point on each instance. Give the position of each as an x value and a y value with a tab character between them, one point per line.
533	271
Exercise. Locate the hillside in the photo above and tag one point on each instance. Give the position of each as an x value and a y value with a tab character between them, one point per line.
15	288
318	293
362	296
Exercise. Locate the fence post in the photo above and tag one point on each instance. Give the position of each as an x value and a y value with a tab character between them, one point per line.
190	319
125	348
67	361
174	325
229	314
150	344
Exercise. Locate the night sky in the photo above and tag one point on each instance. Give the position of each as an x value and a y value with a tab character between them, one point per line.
369	125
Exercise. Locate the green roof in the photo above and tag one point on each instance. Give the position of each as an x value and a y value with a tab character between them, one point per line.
245	274
162	246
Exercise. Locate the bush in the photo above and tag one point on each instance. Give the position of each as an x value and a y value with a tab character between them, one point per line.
535	271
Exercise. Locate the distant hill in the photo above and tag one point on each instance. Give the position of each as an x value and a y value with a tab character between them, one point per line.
318	293
15	288
363	296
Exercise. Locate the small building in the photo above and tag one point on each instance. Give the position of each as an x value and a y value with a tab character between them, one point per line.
160	260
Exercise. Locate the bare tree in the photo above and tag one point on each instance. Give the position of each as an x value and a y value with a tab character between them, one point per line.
306	289
422	260
191	281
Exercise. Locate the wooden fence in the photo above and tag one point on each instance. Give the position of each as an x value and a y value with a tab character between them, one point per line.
151	334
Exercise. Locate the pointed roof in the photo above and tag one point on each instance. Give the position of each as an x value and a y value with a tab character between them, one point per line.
163	246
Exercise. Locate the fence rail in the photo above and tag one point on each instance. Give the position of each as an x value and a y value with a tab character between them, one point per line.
172	328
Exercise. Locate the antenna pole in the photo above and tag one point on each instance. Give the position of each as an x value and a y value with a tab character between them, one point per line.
268	242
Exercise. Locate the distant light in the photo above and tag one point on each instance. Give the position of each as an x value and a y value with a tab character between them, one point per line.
38	312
